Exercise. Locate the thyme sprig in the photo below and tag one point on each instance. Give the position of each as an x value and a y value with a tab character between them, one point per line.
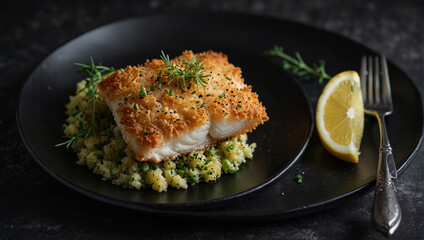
183	76
298	67
95	75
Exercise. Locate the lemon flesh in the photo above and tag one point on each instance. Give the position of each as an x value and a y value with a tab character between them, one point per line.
340	116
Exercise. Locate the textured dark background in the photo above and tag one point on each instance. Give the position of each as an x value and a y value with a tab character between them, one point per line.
29	31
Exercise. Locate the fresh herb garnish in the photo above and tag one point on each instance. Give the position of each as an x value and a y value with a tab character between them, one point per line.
183	76
95	75
298	67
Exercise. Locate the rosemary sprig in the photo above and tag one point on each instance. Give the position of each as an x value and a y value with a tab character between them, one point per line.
298	67
183	76
95	75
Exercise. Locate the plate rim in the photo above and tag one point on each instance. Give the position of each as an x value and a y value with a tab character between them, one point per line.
145	206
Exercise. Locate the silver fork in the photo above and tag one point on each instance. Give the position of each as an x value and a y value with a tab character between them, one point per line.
378	102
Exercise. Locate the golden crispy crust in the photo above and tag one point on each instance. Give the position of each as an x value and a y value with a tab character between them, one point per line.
160	117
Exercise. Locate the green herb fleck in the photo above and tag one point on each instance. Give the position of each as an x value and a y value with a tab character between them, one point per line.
135	106
143	92
299	178
170	92
229	148
180	164
210	151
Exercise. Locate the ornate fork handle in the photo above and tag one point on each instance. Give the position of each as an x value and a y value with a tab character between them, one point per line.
386	210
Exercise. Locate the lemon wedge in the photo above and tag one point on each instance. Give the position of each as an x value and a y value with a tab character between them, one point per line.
340	116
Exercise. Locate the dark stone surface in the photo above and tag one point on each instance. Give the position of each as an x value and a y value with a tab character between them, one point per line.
35	206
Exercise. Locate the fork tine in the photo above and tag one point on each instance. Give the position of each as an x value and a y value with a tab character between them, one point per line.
386	90
377	79
370	82
364	78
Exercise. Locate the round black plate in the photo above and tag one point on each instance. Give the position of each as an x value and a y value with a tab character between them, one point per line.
327	181
41	108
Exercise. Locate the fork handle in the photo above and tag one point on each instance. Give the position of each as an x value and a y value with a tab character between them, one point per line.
386	210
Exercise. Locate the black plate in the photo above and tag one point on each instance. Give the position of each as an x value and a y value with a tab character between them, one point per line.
41	111
327	181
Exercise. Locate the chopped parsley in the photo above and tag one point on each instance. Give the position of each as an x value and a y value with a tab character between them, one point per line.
143	93
299	178
170	92
229	148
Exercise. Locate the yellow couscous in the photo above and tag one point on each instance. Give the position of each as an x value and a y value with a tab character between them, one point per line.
106	154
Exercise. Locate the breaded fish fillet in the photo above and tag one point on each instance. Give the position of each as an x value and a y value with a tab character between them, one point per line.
170	121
